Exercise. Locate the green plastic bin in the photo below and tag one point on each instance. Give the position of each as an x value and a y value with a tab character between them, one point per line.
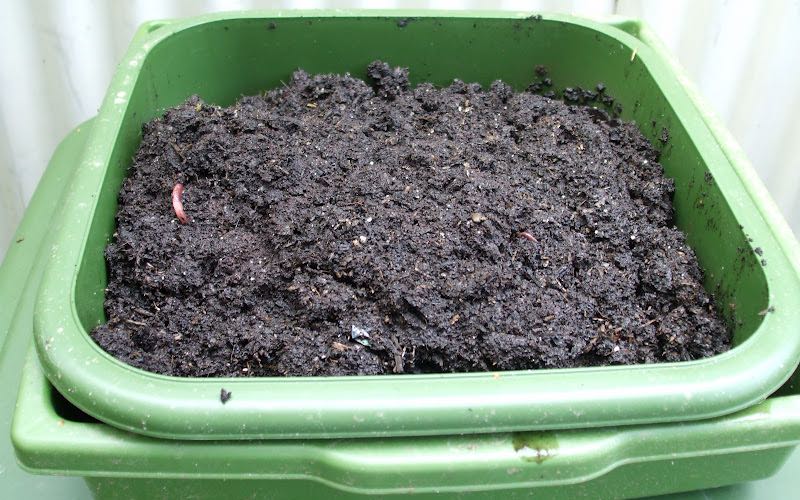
719	203
51	436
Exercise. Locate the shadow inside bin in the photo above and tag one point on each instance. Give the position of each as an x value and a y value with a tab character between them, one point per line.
67	410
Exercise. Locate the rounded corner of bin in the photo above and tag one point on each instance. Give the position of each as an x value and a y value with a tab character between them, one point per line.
26	445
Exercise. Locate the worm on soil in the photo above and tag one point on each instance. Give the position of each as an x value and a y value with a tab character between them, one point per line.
177	203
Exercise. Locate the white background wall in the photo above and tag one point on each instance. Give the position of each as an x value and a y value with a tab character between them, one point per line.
57	57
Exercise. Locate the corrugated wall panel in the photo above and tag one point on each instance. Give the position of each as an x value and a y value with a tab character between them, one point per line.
58	57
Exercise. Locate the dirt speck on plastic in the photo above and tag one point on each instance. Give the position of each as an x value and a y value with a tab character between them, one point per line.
337	226
535	446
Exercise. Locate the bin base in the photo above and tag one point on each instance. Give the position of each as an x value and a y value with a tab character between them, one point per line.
627	481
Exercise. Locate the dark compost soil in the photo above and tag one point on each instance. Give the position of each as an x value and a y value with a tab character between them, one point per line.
340	228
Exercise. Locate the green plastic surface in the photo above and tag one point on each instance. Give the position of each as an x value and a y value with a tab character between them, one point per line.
51	436
55	438
223	56
20	275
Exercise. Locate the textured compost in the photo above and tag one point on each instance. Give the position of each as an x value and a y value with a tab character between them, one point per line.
336	227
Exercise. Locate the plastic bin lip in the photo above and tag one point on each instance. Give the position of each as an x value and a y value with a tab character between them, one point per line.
46	442
434	404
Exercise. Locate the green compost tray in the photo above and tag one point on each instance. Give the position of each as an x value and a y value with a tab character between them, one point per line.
719	203
53	437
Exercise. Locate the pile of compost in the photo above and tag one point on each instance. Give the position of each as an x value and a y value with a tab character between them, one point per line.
334	226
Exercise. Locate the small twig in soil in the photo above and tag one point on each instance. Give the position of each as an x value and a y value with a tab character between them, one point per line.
398	363
525	234
648	323
177	204
398	355
132	322
177	151
143	312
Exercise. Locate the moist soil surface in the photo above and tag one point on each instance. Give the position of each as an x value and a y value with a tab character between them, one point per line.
342	227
